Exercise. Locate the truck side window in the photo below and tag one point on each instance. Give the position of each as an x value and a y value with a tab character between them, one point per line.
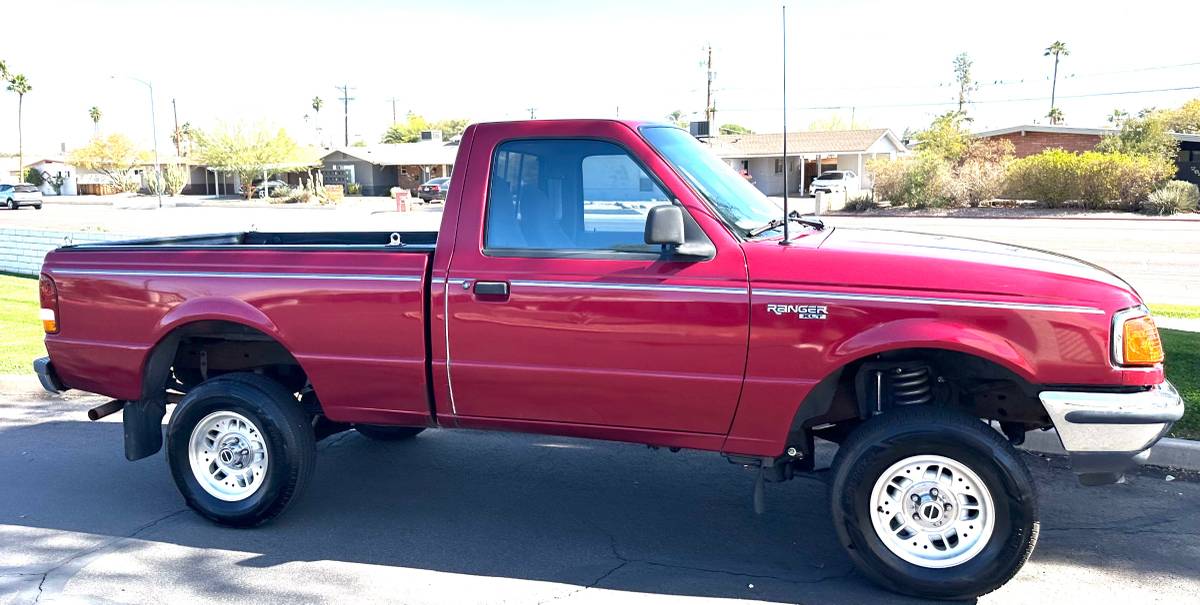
571	195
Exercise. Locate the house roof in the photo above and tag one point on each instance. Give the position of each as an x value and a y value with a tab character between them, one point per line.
428	153
1060	129
771	144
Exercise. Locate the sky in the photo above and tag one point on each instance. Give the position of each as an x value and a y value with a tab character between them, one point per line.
880	63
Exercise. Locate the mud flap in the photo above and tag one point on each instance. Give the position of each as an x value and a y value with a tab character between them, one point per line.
143	428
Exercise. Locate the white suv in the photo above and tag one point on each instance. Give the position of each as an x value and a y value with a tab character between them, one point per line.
835	181
22	194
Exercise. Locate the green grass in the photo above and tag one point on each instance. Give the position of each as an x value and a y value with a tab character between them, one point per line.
20	327
1183	369
1178	311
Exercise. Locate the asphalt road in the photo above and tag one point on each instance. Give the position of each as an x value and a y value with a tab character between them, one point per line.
469	517
1160	258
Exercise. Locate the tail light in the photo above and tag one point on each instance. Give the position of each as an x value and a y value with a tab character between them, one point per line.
1135	338
435	187
48	293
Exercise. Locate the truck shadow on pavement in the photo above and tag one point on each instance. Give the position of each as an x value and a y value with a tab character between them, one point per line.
569	514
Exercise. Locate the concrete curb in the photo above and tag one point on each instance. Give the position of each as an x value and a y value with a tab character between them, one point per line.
1173	453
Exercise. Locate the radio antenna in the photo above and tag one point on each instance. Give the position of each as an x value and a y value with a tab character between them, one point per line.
786	234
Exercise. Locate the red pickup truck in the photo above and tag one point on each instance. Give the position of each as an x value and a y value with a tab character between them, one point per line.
615	280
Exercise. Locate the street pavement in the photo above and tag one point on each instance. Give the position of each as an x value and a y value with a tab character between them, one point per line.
1160	258
469	517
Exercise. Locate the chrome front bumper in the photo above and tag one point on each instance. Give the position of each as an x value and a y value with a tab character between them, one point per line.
1107	433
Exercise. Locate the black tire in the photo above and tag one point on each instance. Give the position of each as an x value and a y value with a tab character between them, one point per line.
896	435
388	433
285	427
37	206
12	204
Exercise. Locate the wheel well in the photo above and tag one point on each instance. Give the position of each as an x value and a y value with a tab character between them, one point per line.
201	350
877	383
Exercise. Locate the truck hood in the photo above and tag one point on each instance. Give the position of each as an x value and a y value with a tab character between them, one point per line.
943	251
924	265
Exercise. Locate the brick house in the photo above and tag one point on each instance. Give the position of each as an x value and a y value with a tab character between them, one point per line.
1033	139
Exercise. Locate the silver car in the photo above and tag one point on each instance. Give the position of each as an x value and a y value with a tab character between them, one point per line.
22	194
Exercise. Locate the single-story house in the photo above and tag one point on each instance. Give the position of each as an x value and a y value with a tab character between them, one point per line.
1032	139
378	168
809	154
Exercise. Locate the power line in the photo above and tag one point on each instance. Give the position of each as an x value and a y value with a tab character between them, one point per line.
947	103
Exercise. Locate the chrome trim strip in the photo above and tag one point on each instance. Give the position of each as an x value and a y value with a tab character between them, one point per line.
922	300
631	287
240	275
446	321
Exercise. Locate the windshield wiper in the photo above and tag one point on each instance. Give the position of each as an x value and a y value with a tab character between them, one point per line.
815	223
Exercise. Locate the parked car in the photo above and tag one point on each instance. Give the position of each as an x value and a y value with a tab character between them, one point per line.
434	189
22	194
263	188
686	326
835	181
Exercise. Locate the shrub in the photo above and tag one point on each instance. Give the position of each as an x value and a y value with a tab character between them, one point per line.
175	178
33	177
918	181
299	196
1175	196
861	203
353	189
280	191
1095	179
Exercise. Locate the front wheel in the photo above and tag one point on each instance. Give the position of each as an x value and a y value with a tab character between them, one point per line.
240	448
932	502
12	204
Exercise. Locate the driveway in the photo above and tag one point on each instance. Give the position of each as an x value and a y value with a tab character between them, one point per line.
469	517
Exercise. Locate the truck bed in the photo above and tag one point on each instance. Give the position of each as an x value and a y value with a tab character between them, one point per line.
403	241
350	307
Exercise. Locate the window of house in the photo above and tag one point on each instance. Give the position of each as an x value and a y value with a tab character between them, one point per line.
565	194
778	165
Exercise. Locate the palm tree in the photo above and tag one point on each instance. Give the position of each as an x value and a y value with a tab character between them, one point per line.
183	138
20	85
1055	115
94	113
1058	49
317	104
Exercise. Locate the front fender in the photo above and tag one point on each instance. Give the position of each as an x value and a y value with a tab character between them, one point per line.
917	333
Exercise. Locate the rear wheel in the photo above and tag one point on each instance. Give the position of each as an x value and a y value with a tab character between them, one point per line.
240	449
932	502
12	204
388	433
37	206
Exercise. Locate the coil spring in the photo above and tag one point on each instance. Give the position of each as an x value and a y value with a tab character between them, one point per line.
910	385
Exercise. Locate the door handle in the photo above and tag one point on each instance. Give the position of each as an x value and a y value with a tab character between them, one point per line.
491	288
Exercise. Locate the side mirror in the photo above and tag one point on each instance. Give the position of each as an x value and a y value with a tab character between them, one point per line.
664	226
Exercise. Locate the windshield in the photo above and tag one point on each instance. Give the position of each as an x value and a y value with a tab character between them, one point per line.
830	176
739	203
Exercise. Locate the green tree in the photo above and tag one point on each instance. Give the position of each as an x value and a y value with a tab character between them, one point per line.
1055	115
946	138
252	152
19	84
735	129
184	138
409	131
676	118
94	113
1147	134
962	75
1186	119
1058	50
114	156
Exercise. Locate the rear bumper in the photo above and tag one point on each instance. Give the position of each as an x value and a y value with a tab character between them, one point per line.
47	376
1106	434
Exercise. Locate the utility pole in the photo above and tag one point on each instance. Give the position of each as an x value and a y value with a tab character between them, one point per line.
345	98
175	112
709	110
532	113
393	100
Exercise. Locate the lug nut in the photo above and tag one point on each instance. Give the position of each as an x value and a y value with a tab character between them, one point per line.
933	492
916	498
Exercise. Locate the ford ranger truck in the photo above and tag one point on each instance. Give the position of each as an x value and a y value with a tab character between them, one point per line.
616	280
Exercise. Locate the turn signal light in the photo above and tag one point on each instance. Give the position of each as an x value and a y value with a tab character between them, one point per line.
1141	342
48	293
